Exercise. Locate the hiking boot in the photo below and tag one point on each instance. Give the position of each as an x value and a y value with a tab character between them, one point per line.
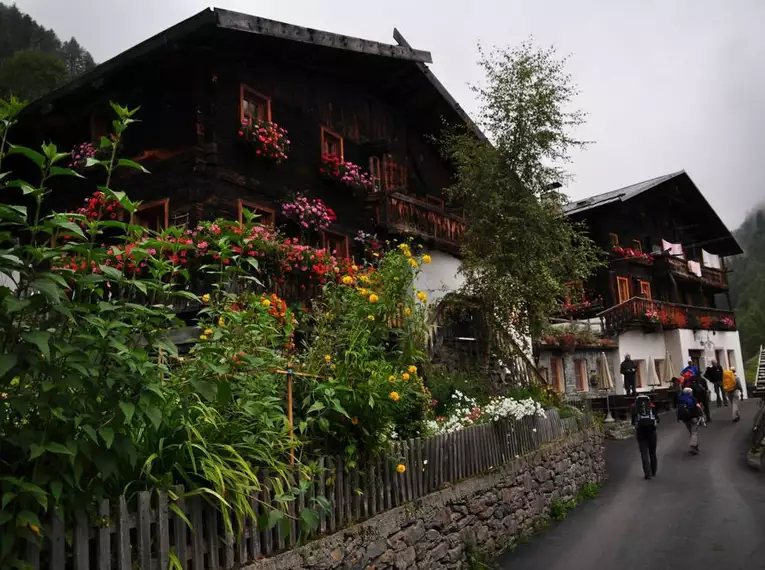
647	477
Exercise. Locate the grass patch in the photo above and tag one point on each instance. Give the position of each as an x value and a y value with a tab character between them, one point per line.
477	559
559	509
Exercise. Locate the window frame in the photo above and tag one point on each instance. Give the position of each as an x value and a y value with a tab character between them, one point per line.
731	361
613	239
244	89
646	286
346	242
326	131
153	204
658	364
258	208
626	281
639	376
637	245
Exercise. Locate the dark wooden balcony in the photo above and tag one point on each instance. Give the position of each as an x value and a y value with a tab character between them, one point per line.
654	316
710	277
407	215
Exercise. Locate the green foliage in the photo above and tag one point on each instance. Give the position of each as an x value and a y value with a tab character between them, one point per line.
365	352
588	492
747	286
543	394
31	74
443	384
477	559
559	509
520	249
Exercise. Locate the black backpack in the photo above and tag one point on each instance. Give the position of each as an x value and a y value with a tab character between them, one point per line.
645	417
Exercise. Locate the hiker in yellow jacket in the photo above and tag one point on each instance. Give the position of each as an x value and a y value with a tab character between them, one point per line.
731	385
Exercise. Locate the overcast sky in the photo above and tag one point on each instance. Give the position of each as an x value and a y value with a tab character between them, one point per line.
668	84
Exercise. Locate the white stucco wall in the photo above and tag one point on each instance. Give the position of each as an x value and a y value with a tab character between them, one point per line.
643	347
440	276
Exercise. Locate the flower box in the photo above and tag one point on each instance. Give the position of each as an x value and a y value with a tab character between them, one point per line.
269	140
347	173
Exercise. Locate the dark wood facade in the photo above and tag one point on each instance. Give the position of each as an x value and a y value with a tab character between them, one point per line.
673	210
376	104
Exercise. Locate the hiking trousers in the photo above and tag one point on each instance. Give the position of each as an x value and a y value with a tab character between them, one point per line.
720	394
647	444
693	429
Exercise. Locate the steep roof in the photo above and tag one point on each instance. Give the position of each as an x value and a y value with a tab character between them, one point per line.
620	195
723	239
405	77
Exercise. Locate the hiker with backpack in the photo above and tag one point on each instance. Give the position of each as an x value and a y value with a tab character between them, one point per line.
688	412
645	420
731	385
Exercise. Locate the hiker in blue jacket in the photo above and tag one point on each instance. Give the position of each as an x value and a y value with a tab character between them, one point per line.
688	412
645	420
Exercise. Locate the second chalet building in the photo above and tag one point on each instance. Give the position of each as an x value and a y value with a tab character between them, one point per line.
207	85
663	293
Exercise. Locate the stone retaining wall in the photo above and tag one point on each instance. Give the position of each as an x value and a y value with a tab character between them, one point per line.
484	511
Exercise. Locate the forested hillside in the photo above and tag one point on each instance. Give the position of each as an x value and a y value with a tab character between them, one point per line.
747	283
33	60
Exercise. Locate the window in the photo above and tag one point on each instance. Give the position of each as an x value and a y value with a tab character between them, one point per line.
557	374
266	215
614	238
152	215
393	173
574	292
253	106
623	289
731	358
435	201
645	289
337	244
637	245
580	366
331	143
720	357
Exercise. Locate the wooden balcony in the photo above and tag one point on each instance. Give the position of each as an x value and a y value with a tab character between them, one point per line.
411	216
654	316
710	277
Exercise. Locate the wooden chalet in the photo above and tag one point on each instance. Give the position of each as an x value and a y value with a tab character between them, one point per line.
371	104
663	291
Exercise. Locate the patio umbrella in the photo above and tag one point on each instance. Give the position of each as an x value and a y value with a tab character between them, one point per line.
653	379
668	372
606	382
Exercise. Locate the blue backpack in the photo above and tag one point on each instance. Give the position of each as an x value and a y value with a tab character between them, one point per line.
686	407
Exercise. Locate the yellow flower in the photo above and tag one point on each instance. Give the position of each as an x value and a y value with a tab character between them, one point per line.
413	262
394	396
355	420
426	259
266	303
202	337
221	322
405	376
35	529
208	331
363	291
373	298
375	254
327	358
391	378
355	267
401	468
371	318
408	312
413	369
347	280
206	298
422	296
364	279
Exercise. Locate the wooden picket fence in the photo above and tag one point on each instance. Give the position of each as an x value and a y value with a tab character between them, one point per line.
150	535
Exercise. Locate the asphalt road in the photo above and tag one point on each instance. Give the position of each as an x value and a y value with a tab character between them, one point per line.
700	513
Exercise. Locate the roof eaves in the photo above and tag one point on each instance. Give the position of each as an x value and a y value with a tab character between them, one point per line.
451	101
255	25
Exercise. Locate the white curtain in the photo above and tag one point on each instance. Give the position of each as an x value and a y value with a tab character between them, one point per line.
695	268
675	249
711	260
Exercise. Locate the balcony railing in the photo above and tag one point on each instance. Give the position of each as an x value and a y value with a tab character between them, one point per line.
405	214
712	277
658	315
